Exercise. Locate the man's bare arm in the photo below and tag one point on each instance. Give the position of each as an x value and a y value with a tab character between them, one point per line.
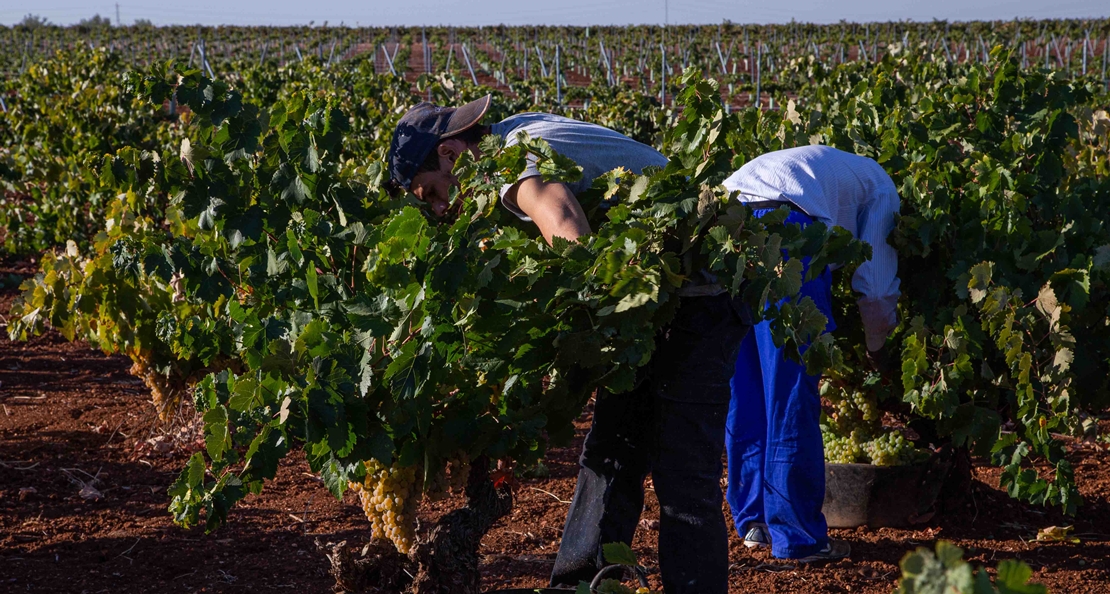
552	207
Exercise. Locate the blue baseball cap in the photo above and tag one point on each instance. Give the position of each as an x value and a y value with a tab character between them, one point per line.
421	129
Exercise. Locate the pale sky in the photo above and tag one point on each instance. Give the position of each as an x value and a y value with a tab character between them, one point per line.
548	12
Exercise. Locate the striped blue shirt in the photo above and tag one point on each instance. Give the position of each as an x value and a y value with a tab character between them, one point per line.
844	190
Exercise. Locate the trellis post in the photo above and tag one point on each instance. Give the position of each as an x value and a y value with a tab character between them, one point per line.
558	78
1086	40
427	52
1105	59
663	74
605	58
543	66
204	60
388	60
758	75
466	57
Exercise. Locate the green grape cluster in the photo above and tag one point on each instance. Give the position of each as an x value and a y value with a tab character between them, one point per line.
868	410
840	449
892	449
389	498
450	479
852	430
851	410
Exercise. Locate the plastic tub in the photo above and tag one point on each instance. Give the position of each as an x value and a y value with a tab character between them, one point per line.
883	496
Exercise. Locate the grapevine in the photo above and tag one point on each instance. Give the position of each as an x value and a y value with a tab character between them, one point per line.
166	390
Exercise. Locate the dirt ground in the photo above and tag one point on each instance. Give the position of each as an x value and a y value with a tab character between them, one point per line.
84	469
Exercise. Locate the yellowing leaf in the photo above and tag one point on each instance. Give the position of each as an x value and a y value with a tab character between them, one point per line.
1062	360
632	300
1057	534
1048	305
191	155
980	280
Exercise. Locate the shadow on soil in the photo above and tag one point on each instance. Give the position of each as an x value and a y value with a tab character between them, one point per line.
174	561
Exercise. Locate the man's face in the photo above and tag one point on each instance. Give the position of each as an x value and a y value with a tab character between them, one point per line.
434	187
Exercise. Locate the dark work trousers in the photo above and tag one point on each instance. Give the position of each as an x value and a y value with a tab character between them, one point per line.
671	424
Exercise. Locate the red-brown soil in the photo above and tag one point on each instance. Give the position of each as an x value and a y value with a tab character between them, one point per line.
71	417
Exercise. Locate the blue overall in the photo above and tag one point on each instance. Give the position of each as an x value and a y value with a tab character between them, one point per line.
776	462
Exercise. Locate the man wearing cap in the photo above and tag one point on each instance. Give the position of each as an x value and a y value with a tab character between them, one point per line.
672	423
776	464
429	138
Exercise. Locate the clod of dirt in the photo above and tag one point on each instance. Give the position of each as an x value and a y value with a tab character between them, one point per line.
377	569
159	445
